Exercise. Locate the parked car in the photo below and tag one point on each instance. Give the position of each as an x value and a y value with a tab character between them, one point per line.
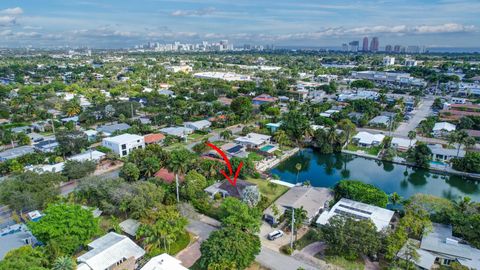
275	234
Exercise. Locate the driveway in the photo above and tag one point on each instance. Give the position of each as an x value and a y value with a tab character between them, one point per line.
202	229
277	261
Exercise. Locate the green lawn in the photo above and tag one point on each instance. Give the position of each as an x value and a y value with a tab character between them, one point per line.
313	235
254	156
344	263
374	150
266	190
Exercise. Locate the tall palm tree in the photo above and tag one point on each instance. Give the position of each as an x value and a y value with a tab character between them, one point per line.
281	138
463	204
395	198
226	134
459	137
179	163
298	166
347	126
64	263
412	135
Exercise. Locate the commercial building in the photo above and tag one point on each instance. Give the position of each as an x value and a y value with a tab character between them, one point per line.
124	144
226	76
389	77
380	217
374	44
388	61
365	44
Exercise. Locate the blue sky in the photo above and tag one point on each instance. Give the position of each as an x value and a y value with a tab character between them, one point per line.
122	23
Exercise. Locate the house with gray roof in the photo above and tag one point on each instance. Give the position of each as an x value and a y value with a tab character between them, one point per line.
380	121
444	154
198	125
228	190
108	130
176	131
16	152
14	237
440	247
312	199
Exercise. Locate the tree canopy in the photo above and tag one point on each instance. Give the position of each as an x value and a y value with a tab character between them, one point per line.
362	192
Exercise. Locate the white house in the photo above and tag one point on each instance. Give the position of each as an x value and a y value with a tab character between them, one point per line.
198	125
443	129
163	262
111	251
402	144
444	154
124	144
366	139
176	131
253	140
381	217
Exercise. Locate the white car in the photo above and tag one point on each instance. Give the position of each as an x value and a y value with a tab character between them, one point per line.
275	234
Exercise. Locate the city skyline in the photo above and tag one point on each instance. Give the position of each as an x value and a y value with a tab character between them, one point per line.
120	24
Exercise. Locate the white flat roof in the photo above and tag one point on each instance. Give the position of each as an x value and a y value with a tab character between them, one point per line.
253	138
381	217
164	262
123	138
368	138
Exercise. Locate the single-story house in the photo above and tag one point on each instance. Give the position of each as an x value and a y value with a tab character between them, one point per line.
253	140
154	138
440	247
442	129
24	129
13	237
108	130
473	133
130	227
273	127
198	125
328	113
91	134
381	217
226	189
262	99
47	146
234	150
16	152
176	131
312	199
444	154
381	120
168	176
111	251
366	139
402	144
164	262
73	119
92	155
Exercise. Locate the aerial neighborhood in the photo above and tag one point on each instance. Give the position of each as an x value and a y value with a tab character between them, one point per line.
212	156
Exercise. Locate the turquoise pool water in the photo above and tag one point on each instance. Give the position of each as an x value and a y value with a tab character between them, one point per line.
437	163
267	148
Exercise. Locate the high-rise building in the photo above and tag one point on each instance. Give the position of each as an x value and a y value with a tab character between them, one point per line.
345	47
374	44
353	46
397	48
365	44
388	48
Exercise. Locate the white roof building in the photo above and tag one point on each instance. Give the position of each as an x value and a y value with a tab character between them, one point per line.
253	139
198	125
177	131
163	262
381	217
368	139
109	250
401	143
444	126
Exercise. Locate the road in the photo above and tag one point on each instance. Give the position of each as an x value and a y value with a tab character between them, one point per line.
423	110
277	261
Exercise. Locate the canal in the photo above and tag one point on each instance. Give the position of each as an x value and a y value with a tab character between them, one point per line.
323	170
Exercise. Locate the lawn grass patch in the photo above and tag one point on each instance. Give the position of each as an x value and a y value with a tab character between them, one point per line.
271	191
344	263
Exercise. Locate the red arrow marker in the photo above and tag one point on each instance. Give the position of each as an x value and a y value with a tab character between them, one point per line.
229	165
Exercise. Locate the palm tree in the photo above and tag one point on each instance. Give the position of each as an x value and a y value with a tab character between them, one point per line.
412	135
64	263
281	138
226	134
460	138
298	166
395	198
463	204
179	163
347	126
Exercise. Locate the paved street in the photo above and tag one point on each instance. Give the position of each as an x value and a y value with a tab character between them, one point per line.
420	113
277	261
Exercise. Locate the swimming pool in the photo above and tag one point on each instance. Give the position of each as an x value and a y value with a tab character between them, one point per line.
267	148
438	163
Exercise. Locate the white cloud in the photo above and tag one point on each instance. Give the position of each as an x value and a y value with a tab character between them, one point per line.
197	12
7	20
12	11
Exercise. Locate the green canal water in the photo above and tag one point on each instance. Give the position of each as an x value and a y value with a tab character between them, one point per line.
326	170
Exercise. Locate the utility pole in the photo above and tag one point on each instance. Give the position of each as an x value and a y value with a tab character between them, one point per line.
293	228
53	127
131	108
